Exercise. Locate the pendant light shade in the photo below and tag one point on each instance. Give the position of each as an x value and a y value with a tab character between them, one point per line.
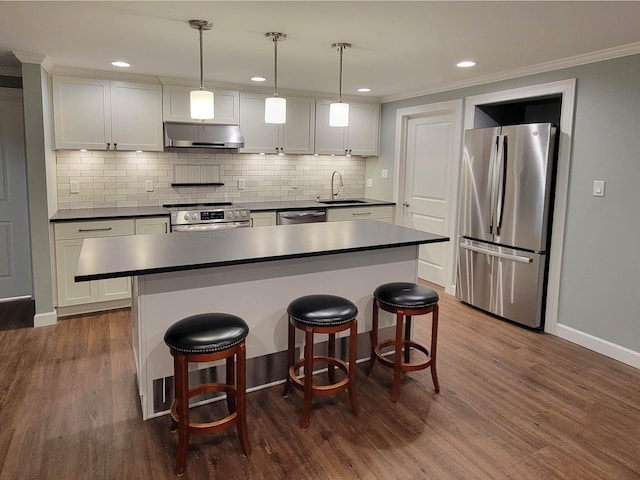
339	111
275	108
201	100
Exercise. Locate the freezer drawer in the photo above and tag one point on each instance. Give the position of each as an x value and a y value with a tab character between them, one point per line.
502	281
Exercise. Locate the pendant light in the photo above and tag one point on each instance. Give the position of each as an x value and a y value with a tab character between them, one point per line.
275	108
201	99
339	111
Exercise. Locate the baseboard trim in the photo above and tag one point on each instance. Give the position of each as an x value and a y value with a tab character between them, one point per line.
609	349
45	319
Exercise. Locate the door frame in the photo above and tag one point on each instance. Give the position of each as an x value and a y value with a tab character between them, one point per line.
403	115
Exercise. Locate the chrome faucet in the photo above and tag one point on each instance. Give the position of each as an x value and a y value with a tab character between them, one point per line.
340	184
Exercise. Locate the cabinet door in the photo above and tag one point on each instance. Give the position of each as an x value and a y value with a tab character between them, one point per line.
71	292
263	219
136	116
155	225
259	137
364	124
81	113
297	136
175	105
329	140
114	289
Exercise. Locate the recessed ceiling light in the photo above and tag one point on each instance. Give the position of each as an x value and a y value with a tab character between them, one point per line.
466	64
364	90
120	64
258	79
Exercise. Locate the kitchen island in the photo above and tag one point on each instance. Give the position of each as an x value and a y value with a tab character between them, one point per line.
250	272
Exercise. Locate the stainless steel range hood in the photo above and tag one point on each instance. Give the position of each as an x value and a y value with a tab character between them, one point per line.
202	135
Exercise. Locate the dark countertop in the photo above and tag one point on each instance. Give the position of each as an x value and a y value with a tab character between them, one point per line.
112	257
132	212
72	215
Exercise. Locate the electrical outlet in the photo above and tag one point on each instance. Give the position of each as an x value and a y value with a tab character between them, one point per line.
294	184
385	173
148	185
369	182
74	186
242	184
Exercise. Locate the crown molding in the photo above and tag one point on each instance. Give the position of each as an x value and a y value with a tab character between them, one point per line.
37	58
592	57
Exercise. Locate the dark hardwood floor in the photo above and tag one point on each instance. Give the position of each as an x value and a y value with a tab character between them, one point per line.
514	404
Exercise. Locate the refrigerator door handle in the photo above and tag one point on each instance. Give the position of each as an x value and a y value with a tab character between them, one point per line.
492	181
514	258
501	178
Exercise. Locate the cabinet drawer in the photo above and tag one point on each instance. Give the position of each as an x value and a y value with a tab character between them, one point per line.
98	228
360	213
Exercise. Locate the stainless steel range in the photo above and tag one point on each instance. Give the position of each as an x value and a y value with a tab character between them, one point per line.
197	217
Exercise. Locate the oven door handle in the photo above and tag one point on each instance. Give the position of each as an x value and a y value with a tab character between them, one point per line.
204	227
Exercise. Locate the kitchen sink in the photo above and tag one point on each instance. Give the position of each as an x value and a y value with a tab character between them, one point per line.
341	202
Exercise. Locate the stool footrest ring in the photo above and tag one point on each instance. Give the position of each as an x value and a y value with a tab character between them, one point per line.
405	367
201	428
321	390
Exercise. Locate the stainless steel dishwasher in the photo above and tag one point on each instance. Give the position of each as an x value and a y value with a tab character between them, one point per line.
301	216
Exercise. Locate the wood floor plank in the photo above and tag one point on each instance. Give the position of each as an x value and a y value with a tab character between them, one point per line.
513	404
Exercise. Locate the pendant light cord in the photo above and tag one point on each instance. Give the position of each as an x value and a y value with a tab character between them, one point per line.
341	47
275	65
201	72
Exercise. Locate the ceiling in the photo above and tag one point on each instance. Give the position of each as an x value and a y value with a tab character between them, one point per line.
400	49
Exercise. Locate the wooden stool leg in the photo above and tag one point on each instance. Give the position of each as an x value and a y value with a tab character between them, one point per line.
308	378
373	335
407	337
231	397
353	346
241	399
331	368
434	342
291	358
182	408
397	357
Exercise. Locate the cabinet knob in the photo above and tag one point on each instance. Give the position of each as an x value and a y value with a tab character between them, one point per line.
108	146
115	146
406	204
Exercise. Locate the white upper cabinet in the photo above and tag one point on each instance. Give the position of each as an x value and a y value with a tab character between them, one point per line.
100	114
175	104
294	137
359	138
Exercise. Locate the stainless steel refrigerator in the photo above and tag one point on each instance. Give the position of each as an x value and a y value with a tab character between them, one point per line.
504	223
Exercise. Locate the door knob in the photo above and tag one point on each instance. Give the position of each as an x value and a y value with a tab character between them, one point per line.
405	204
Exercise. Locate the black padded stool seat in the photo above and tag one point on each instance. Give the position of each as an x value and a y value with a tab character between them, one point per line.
320	314
208	337
406	295
206	333
405	300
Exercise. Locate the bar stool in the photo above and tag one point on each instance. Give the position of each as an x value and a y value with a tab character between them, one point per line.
320	314
208	337
404	300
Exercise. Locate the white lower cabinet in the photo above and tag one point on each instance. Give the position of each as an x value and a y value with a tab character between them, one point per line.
152	225
382	213
80	297
263	219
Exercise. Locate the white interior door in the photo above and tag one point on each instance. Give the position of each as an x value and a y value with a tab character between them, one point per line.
431	142
15	254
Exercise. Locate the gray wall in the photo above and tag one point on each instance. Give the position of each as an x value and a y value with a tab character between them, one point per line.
36	106
601	264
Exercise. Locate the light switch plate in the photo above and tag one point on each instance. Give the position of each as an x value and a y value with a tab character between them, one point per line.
242	184
74	186
148	185
598	188
385	173
369	182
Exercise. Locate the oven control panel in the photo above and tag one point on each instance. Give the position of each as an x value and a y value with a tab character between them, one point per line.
221	215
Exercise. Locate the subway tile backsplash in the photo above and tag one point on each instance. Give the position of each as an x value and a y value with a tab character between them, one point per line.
119	179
